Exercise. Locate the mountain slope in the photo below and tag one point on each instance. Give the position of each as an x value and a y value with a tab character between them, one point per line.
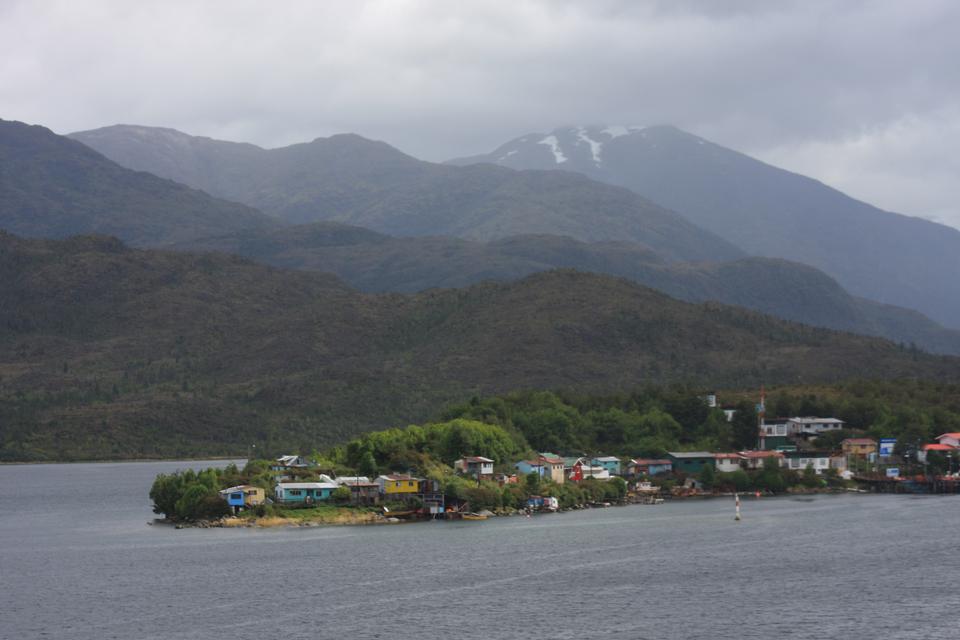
764	210
51	186
376	262
349	179
109	351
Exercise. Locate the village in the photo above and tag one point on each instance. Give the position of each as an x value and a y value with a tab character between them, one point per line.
787	458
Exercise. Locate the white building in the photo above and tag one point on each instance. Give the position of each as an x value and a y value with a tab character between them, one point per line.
800	460
811	426
727	462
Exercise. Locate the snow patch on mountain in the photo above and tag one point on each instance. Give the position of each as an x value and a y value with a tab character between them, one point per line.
554	144
617	130
595	147
512	152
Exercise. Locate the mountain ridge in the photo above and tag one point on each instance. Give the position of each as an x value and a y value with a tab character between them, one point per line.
353	180
764	210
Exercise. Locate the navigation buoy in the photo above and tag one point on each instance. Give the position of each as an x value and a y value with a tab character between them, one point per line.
736	497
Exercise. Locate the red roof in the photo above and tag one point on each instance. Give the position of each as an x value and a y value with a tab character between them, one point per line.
761	454
859	441
938	447
955	435
727	456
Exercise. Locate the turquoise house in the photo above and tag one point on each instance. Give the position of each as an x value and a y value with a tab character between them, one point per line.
610	463
303	492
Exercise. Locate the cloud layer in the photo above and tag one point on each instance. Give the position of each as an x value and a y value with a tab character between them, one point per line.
862	95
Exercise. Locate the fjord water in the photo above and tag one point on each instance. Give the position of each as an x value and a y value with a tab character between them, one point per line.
78	560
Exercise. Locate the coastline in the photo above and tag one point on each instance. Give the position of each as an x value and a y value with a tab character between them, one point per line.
346	516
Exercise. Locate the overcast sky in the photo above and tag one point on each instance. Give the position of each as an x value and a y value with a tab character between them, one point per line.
862	95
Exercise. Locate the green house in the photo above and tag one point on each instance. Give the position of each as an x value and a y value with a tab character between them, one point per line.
690	461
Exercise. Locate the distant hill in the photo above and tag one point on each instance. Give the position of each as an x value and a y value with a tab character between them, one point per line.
54	187
347	178
376	262
107	351
763	210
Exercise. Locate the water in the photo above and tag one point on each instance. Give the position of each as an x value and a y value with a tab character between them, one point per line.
77	560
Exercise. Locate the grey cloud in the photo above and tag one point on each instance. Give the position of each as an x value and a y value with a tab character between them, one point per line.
790	82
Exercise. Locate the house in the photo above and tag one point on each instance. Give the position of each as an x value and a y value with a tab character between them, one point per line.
546	466
773	434
610	463
949	439
432	497
503	479
757	459
398	487
812	427
648	467
690	461
727	462
800	460
303	492
476	466
937	448
362	490
582	470
861	447
243	496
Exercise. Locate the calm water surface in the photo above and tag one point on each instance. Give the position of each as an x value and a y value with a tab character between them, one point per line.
78	560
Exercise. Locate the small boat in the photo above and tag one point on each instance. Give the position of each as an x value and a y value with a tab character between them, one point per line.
473	516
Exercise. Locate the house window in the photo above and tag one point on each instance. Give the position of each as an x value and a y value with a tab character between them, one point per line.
295	492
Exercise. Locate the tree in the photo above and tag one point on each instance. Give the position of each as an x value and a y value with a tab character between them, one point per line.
367	465
533	482
708	476
341	495
745	426
810	478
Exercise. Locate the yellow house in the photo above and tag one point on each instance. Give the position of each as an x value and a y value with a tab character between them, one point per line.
858	446
398	486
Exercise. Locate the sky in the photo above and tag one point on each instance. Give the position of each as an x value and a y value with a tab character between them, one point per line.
864	96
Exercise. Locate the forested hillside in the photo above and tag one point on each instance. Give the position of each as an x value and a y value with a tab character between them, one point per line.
107	351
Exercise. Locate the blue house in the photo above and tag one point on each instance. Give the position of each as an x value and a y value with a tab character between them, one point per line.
610	463
303	492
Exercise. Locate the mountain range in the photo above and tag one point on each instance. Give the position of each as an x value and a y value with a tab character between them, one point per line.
347	178
55	174
763	210
108	351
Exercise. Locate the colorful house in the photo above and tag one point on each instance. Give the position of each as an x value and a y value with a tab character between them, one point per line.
582	470
475	466
648	467
690	461
243	496
545	466
937	448
727	462
398	486
610	463
861	447
303	492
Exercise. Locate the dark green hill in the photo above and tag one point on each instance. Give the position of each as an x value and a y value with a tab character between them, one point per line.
107	351
54	187
764	210
375	262
347	178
